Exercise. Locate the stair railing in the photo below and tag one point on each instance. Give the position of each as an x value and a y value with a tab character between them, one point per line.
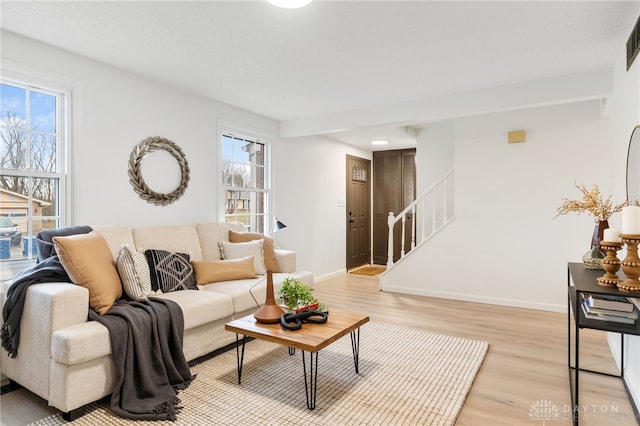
429	213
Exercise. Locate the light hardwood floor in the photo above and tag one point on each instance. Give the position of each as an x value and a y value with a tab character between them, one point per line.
526	361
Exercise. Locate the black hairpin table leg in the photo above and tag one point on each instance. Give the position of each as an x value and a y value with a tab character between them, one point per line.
355	348
310	383
240	355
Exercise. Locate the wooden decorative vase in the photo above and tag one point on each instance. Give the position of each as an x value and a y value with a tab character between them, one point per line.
270	312
610	264
631	264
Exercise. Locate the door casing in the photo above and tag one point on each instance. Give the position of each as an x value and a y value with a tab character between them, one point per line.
358	211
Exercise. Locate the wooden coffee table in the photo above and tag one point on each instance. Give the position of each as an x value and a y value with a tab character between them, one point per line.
310	339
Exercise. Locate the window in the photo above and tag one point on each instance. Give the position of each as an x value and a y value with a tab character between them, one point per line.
32	165
245	181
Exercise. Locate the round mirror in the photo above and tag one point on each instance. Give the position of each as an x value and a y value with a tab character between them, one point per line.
633	167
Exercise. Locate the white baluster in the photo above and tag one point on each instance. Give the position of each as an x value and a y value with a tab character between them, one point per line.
413	227
404	221
390	222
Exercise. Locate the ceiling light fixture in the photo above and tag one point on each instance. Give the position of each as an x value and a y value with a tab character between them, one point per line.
290	4
379	142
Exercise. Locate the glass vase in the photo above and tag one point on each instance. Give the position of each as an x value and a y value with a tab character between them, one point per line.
593	258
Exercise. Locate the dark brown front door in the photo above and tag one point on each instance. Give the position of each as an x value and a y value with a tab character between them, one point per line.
394	188
358	211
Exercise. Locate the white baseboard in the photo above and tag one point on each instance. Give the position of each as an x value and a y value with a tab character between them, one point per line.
330	275
478	299
514	303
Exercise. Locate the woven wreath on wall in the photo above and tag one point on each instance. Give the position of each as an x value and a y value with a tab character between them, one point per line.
138	154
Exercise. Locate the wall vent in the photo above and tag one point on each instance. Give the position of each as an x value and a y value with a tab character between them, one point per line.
633	44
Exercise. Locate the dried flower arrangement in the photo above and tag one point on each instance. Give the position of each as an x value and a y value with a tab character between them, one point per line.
592	203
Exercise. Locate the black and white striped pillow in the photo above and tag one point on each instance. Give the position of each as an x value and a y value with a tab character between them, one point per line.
134	273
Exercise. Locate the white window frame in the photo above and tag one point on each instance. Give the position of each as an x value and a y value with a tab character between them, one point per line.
63	95
235	131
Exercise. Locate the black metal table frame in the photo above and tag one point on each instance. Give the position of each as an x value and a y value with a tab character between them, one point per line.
310	379
574	311
574	368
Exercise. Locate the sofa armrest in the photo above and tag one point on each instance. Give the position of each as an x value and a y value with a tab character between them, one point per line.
80	343
286	260
48	307
57	305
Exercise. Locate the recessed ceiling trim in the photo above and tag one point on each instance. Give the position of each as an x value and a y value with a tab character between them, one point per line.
544	92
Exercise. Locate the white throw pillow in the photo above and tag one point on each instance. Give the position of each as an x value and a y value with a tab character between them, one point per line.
239	250
134	273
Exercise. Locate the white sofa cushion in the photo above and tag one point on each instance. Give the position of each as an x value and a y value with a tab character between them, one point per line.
177	239
286	259
116	236
212	232
90	340
238	290
200	307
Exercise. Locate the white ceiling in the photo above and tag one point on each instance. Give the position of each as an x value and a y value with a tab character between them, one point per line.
334	57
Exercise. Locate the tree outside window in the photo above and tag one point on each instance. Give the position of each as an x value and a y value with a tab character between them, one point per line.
31	165
244	181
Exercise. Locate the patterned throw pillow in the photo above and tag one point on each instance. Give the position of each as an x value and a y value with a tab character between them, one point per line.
248	249
134	273
170	271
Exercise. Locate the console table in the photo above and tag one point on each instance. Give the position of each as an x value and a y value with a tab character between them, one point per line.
582	280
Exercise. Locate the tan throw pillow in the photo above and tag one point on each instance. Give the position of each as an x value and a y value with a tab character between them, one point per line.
269	247
224	270
239	250
89	263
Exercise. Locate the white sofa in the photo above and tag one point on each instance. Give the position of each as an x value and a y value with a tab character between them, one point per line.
66	359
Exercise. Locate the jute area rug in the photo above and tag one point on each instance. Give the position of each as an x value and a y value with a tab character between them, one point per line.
407	377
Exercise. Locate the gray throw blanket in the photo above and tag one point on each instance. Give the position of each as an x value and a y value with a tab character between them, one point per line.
146	345
47	269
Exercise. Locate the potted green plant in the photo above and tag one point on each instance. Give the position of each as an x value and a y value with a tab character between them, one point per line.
297	296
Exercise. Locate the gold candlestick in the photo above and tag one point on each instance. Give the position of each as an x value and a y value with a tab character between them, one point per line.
631	264
610	264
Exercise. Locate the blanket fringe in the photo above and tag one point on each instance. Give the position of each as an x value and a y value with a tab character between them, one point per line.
7	341
169	410
182	386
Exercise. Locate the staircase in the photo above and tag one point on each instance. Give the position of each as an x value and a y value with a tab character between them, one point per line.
429	213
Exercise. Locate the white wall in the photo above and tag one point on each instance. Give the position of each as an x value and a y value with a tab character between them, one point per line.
504	246
624	110
310	182
435	154
114	110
